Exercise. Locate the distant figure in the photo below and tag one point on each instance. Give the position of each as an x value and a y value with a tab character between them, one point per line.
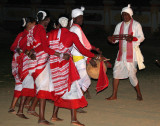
158	62
129	34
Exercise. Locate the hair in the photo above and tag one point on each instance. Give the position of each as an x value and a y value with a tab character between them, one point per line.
26	20
41	16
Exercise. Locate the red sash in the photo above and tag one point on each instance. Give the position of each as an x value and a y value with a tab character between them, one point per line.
86	43
129	56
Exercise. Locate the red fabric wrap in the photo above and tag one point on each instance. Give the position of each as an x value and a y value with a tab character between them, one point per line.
102	79
73	73
129	56
17	93
28	92
71	104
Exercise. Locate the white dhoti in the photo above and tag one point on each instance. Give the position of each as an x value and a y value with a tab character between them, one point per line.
84	81
124	69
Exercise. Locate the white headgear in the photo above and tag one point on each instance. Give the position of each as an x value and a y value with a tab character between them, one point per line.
77	12
127	10
24	22
63	21
44	14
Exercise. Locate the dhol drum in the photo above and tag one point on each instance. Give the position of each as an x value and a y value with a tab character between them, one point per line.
93	72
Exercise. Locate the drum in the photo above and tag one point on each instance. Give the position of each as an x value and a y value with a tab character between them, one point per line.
93	72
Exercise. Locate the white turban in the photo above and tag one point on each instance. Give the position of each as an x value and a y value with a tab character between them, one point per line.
77	12
63	21
127	10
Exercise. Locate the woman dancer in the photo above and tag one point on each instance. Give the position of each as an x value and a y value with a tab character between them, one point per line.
18	47
67	92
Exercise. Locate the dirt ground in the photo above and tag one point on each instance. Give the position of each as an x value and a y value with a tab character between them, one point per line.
125	111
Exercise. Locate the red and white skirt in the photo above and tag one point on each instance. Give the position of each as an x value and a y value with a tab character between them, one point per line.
28	86
18	83
42	77
72	99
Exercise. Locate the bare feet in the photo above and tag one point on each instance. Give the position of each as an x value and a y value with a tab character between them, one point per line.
139	98
112	98
21	115
11	111
77	123
44	122
56	119
80	110
34	113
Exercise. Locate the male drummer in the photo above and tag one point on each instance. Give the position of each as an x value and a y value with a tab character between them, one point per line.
78	58
128	56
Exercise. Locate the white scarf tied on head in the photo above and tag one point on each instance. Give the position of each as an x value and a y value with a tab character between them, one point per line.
128	10
76	12
24	22
63	21
44	14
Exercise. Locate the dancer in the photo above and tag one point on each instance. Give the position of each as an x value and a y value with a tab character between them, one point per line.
18	47
67	92
130	36
28	90
41	72
78	58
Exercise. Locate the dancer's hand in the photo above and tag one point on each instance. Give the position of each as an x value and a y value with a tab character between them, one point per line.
66	56
93	63
18	50
31	54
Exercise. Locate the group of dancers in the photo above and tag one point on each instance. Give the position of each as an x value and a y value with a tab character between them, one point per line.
52	65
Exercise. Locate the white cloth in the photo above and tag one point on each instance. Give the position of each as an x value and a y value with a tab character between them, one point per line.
44	80
18	87
63	21
127	10
77	12
74	93
84	81
28	82
124	69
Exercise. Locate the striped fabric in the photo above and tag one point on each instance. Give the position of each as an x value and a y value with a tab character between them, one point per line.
38	65
15	69
59	67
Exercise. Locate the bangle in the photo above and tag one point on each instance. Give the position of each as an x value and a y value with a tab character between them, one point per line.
98	57
61	55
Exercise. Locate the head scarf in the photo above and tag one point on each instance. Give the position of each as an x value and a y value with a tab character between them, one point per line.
63	21
76	12
127	10
24	22
44	14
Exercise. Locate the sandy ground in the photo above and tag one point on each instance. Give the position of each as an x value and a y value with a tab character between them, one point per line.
125	111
